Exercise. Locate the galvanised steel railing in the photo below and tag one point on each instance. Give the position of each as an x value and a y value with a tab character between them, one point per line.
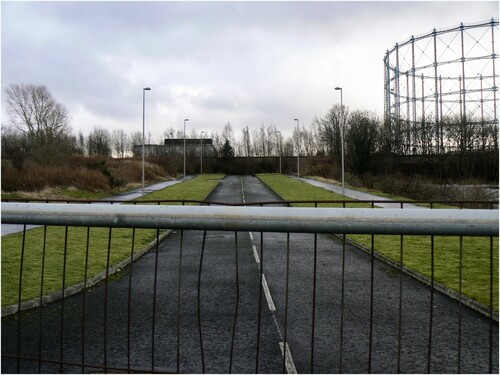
291	267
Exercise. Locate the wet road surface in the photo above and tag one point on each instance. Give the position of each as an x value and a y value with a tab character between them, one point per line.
242	324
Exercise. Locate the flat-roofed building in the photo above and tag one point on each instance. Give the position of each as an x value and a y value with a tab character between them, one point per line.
175	147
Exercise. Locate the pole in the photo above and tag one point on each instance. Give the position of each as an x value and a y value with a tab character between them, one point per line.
298	147
281	147
185	146
201	157
143	128
342	137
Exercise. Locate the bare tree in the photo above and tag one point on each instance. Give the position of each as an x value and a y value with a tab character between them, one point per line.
169	133
247	142
119	140
330	129
218	142
80	144
227	133
99	142
43	120
361	139
135	140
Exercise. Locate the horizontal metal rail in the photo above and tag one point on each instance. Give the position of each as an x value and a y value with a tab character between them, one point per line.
198	295
345	202
271	219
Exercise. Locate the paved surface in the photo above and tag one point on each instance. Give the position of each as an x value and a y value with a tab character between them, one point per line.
230	287
355	194
128	196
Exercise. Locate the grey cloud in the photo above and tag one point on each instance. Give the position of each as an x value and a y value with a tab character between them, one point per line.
245	61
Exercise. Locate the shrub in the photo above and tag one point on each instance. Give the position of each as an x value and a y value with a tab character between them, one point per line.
36	178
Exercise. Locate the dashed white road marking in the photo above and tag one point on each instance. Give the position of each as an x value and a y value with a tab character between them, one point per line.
267	292
256	255
289	364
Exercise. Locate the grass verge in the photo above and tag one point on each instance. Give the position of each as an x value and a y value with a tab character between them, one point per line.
295	190
68	258
417	250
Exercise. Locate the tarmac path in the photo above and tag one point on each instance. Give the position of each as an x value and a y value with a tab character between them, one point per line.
222	300
128	196
359	195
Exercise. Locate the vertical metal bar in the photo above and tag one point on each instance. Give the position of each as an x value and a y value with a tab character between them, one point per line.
463	80
490	363
423	138
341	346
260	303
314	300
285	343
155	287
414	89
62	297
235	317
394	134
84	297
400	313
199	301
429	348
19	299
408	123
436	92
129	306
370	340
441	113
387	89
40	310
105	339
494	56
483	140
179	303
460	308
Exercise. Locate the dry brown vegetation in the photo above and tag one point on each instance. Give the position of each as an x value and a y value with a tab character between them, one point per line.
97	174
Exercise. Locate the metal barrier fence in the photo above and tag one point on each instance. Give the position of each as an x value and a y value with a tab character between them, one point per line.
249	289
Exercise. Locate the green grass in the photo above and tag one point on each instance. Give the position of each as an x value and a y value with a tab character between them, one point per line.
121	243
291	190
195	189
417	249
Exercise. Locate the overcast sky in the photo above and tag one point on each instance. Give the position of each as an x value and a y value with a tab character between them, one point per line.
247	63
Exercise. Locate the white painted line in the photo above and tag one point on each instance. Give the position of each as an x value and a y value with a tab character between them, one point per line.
242	191
267	292
251	235
289	364
256	255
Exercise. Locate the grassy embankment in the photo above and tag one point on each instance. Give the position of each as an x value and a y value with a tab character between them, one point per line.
417	249
75	252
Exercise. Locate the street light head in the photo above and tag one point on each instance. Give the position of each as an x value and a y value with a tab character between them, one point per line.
295	119
147	88
186	119
338	88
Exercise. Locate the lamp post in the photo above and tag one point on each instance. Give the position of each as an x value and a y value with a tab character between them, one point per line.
143	127
298	147
281	147
201	150
186	119
342	137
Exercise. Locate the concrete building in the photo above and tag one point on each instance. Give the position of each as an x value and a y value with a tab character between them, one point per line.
175	147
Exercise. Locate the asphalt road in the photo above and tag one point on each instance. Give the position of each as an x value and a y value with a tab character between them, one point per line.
230	302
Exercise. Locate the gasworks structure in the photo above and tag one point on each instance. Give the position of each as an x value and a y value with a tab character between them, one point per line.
440	91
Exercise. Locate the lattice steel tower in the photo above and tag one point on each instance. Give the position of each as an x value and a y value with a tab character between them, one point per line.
440	91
